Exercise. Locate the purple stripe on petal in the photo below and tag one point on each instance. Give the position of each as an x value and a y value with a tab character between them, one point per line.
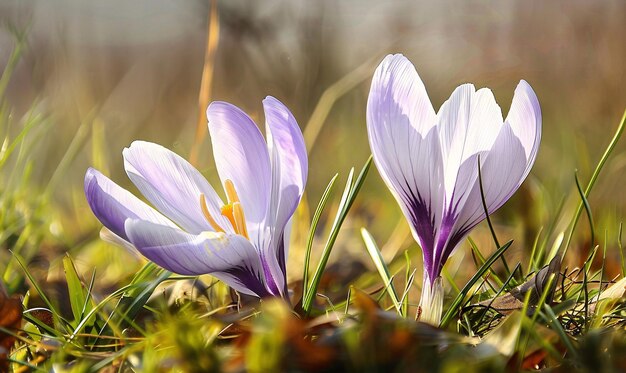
244	281
405	146
270	278
281	254
423	225
230	257
447	241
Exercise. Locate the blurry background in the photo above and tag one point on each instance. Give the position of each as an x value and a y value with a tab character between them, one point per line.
92	76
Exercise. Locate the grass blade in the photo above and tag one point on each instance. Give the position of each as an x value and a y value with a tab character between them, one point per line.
477	276
35	284
75	288
134	296
486	211
317	276
383	271
621	249
144	283
316	219
347	199
480	260
556	326
594	178
585	203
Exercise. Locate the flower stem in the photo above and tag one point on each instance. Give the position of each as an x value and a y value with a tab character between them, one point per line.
431	302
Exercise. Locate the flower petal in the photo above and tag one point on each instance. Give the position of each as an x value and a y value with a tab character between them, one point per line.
503	171
512	156
289	164
525	121
468	124
405	146
173	185
112	204
241	156
232	258
107	235
504	165
288	159
398	95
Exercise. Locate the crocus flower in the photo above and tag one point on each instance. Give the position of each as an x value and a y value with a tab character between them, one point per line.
191	231
430	160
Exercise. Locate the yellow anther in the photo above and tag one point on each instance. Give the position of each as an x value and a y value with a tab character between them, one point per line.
233	211
227	212
231	193
207	214
240	220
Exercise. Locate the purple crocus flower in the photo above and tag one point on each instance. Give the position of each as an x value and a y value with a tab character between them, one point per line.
430	160
191	230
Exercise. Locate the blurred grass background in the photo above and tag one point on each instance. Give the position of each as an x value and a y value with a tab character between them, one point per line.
91	77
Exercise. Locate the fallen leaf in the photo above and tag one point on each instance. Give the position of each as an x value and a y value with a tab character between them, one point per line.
514	299
10	319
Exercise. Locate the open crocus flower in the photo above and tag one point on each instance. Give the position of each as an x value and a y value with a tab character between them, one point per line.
242	241
430	160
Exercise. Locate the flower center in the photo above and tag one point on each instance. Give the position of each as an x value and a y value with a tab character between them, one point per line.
233	211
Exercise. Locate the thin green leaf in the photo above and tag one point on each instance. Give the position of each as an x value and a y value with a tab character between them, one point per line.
316	219
477	276
522	345
408	280
405	294
347	199
383	271
556	325
146	282
35	284
585	202
486	211
480	260
533	252
88	302
75	288
594	178
317	276
621	249
504	286
134	296
603	264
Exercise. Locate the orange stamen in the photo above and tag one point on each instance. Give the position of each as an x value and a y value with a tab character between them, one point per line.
233	211
240	220
207	214
231	193
227	211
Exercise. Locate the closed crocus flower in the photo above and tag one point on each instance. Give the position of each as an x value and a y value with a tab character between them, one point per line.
429	160
190	230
